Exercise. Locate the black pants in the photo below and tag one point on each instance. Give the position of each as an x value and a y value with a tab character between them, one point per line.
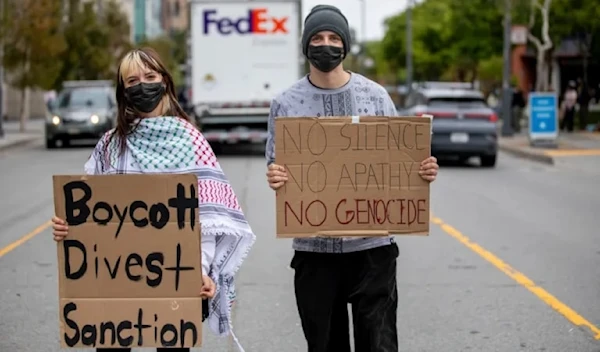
129	349
568	120
325	283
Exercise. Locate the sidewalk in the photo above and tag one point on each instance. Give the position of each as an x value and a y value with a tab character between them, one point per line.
569	144
14	138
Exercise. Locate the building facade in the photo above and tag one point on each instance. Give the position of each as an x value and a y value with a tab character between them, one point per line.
175	15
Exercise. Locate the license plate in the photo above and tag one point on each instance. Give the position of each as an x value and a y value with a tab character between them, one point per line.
73	131
459	137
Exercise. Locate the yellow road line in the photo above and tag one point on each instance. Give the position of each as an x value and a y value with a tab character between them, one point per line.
27	237
520	278
572	152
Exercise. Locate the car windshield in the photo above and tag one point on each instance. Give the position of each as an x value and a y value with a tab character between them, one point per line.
457	102
85	97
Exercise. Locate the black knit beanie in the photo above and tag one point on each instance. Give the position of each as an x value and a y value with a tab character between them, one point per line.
326	18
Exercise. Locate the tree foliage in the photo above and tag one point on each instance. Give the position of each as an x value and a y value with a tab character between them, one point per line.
180	47
119	39
96	41
430	38
32	42
463	40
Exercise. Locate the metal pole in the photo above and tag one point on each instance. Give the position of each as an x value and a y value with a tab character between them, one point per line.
507	130
3	24
409	62
363	35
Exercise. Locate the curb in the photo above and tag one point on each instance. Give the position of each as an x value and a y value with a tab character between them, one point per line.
523	154
19	143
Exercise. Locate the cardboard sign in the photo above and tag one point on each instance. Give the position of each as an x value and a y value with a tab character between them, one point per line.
352	176
130	270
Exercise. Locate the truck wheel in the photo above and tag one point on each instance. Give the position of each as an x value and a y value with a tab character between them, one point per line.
216	147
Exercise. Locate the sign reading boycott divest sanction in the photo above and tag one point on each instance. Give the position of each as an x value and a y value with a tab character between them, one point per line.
130	268
352	176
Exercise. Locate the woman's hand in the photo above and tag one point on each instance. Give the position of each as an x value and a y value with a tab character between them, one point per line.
429	169
60	229
208	287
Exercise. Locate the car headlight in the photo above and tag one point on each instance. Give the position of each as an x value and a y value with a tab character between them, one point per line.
55	120
94	119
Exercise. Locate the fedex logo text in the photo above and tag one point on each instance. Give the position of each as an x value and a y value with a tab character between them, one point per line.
256	22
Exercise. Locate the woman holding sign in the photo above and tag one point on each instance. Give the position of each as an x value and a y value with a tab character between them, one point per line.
154	135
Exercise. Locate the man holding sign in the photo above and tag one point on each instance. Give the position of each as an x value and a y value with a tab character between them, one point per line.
331	272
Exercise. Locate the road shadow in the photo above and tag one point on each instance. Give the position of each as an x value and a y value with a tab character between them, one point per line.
221	151
237	150
455	163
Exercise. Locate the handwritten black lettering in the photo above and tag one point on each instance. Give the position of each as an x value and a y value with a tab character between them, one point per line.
122	333
154	264
182	203
78	211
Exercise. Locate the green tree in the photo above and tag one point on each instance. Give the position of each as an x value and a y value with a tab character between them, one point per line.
475	34
452	39
490	72
32	46
119	39
180	47
579	19
88	56
430	20
96	41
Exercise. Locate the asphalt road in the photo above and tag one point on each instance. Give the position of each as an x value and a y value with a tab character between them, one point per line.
512	261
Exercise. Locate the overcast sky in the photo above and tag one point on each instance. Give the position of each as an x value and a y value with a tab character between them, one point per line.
377	11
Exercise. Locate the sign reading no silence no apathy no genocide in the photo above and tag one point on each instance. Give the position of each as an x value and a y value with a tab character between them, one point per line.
352	176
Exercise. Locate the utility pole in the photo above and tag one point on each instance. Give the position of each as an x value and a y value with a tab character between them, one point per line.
409	56
507	130
3	27
363	35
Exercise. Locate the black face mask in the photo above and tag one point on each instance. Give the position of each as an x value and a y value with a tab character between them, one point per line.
145	97
325	57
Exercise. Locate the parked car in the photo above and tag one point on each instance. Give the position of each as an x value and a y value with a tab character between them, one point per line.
81	110
463	124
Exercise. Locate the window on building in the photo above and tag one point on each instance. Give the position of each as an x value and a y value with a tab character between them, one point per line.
176	9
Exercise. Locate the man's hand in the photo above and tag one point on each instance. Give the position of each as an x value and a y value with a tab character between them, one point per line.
276	176
429	169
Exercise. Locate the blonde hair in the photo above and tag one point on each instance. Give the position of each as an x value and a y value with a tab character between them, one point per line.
132	62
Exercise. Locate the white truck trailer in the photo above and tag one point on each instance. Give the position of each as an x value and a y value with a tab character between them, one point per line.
243	53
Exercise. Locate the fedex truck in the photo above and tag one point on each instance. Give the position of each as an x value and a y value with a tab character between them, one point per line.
243	53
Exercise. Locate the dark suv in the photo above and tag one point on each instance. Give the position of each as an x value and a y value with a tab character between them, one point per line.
463	124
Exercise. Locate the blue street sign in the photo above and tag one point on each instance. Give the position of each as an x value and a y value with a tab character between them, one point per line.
543	115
